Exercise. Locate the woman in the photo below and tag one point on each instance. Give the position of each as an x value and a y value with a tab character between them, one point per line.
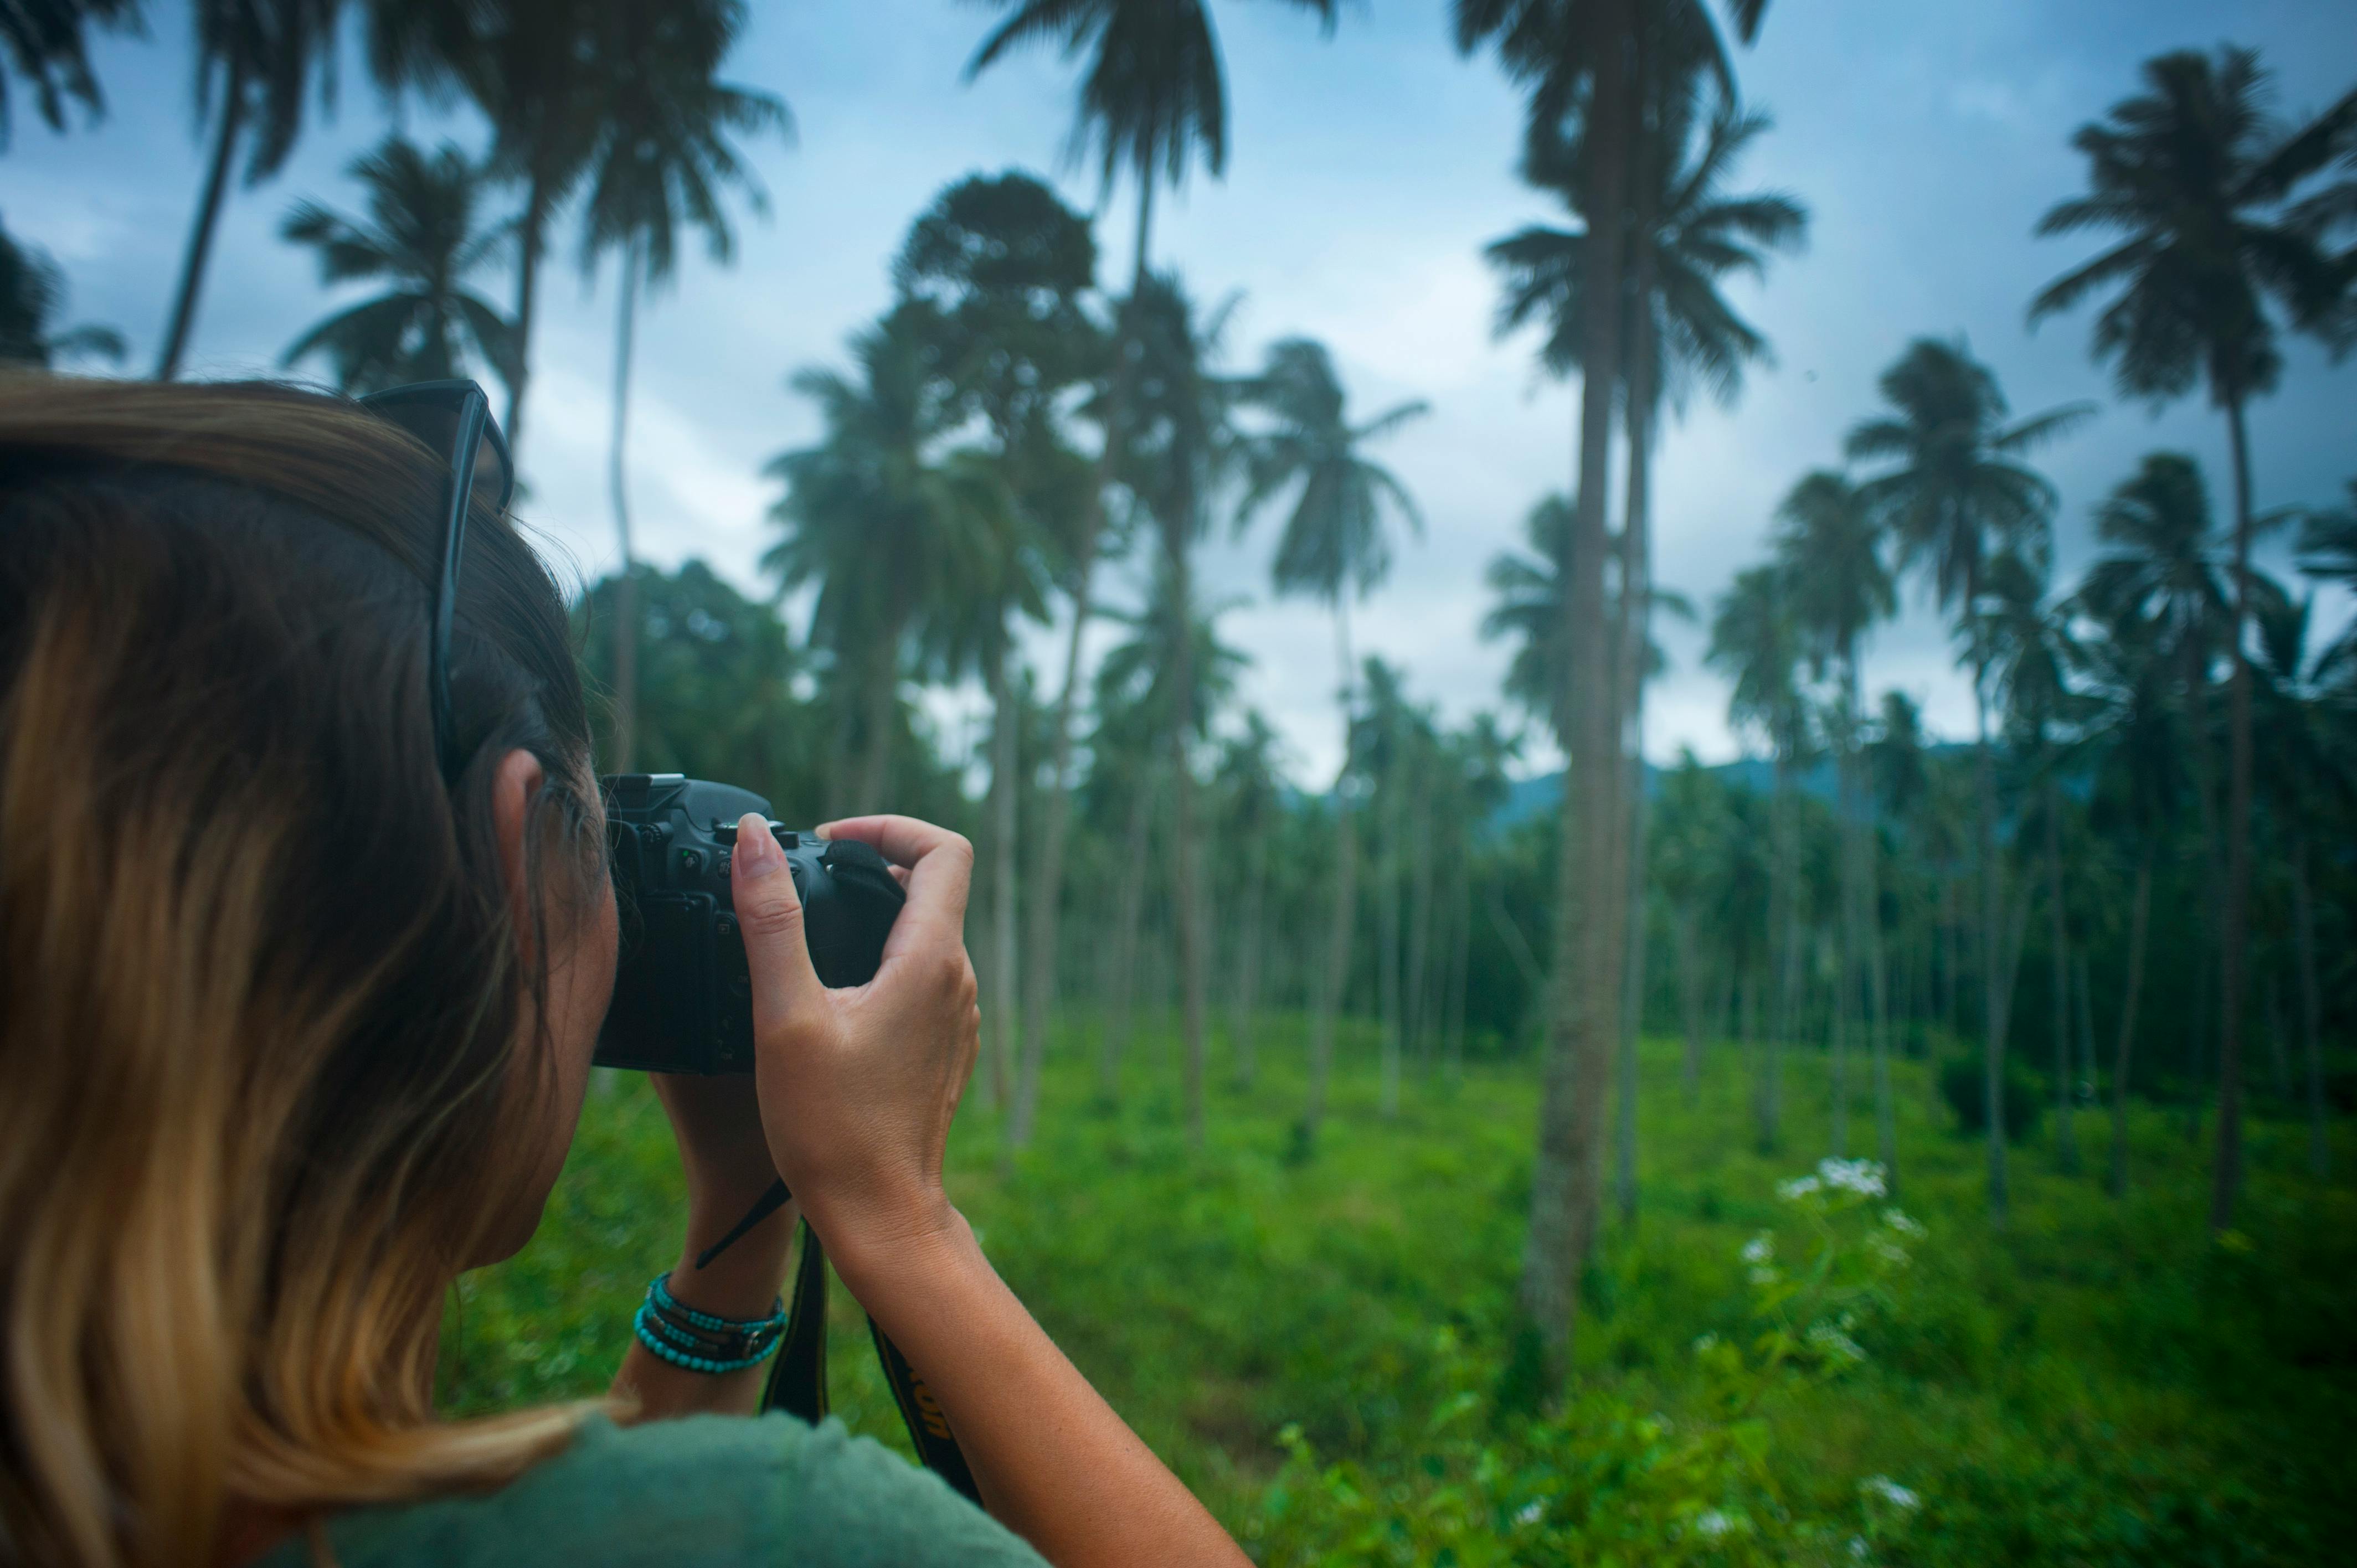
296	1017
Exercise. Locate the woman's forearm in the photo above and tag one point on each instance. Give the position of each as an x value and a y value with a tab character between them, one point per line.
742	1283
1055	1464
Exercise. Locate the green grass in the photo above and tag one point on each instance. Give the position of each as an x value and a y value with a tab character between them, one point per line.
2098	1382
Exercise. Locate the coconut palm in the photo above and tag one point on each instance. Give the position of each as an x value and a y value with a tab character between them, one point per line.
255	61
662	160
1830	544
877	487
1334	548
2328	551
1003	266
32	294
2212	266
1757	643
1954	495
423	236
46	42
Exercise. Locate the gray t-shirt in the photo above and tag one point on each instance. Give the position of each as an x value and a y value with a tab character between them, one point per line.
708	1491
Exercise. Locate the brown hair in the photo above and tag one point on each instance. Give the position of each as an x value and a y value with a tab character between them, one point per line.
260	988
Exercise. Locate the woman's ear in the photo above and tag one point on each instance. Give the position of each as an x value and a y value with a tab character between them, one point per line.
520	777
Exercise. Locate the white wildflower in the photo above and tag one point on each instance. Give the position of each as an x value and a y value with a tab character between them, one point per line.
1890	1492
1760	1249
1797	1188
1861	1176
1713	1523
1832	1343
1530	1513
1898	1220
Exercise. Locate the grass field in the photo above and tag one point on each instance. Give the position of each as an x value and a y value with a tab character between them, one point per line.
1324	1348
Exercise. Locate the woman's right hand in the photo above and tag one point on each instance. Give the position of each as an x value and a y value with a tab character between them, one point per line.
858	1086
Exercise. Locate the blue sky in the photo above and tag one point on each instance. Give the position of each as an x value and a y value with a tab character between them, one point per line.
1366	171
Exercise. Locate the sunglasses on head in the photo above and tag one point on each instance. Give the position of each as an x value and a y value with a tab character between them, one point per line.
453	418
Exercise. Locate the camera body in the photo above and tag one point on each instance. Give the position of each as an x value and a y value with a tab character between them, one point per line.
683	995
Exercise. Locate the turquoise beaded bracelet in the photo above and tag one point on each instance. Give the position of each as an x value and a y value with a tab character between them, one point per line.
647	1327
700	1342
659	1292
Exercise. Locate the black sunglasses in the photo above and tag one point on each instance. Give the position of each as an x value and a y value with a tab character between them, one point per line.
454	418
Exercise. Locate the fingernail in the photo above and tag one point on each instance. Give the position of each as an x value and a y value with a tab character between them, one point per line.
757	853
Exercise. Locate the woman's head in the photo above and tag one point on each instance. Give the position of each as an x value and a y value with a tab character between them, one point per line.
291	1029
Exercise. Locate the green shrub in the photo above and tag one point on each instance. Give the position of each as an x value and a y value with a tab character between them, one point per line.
1965	1088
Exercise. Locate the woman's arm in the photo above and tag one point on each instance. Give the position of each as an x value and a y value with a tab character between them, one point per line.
857	1090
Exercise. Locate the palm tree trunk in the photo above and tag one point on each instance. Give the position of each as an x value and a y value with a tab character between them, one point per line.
2303	916
1248	955
1632	989
1853	849
1992	1019
880	692
531	236
1184	894
1006	785
1635	629
1682	931
2227	1184
626	592
1047	890
1461	964
1566	1173
2066	1142
1122	993
2139	912
1323	1022
1419	922
182	319
1387	936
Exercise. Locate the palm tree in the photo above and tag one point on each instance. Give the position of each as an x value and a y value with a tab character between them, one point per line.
1830	544
1152	100
254	65
2164	572
1953	496
1557	57
46	42
2195	176
32	294
420	235
1756	644
877	489
1177	444
663	159
1003	264
1334	548
2328	551
2033	651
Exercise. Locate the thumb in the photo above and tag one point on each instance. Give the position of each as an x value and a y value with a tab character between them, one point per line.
769	911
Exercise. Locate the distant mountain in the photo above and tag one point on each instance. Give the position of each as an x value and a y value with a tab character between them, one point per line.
1530	796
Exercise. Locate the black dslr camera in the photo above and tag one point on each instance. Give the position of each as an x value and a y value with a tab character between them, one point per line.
682	996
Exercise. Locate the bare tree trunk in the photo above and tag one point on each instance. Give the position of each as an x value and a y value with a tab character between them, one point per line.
1993	1022
2303	916
1459	969
532	238
626	592
1324	1021
1387	936
1567	1168
1120	1001
1186	903
1419	921
2087	1068
178	325
2227	1186
1006	785
2066	1141
1682	929
1248	958
2139	911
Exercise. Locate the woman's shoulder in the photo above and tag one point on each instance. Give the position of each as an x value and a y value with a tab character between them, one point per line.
703	1492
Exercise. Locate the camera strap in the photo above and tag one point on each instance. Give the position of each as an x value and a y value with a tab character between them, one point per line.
797	1383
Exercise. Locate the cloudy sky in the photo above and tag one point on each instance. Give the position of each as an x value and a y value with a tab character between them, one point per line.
1366	171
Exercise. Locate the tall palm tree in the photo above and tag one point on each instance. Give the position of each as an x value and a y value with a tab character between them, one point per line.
1756	642
256	61
2195	175
1151	102
1558	56
423	236
1004	266
663	159
46	42
2033	651
1953	494
1831	545
32	295
878	488
1334	548
1177	444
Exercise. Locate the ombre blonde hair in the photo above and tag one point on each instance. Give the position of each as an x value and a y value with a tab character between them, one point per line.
260	988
